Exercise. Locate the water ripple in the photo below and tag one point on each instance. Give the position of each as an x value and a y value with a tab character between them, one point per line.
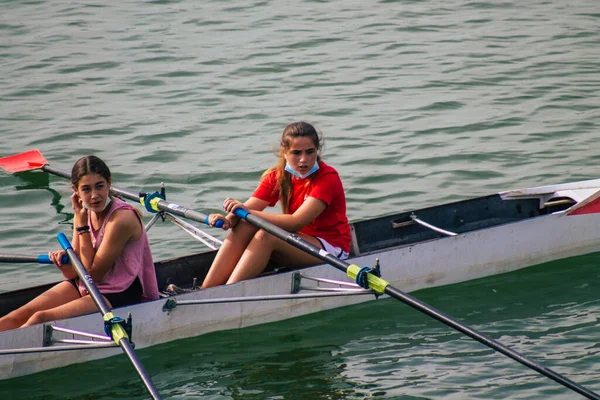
420	103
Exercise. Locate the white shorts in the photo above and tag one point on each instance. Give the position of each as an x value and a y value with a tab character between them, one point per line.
333	250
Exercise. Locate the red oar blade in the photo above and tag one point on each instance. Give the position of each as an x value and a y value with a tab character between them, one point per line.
27	161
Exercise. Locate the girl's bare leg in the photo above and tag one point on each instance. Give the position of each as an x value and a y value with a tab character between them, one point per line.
79	306
258	252
229	254
57	295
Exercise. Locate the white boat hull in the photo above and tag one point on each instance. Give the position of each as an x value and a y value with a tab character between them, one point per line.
437	262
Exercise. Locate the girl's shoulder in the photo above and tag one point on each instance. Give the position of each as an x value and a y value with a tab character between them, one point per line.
269	177
326	170
124	213
326	167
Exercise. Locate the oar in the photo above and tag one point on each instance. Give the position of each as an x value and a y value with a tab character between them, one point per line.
118	333
33	159
381	286
22	259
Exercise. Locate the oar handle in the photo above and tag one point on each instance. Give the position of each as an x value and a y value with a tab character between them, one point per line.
24	259
45	259
218	224
240	212
64	242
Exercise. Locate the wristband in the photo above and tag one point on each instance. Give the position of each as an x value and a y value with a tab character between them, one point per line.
82	229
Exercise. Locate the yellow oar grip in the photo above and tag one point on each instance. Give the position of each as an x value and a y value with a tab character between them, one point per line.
375	282
118	332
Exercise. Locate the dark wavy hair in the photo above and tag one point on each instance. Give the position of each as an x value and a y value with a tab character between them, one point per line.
89	165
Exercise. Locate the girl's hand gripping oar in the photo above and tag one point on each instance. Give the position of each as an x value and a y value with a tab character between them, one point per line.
33	159
370	281
22	259
117	331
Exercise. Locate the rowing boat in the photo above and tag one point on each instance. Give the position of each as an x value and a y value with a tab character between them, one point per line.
412	250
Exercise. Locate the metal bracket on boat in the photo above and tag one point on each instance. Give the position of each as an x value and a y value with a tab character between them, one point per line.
341	288
153	221
50	340
198	234
159	214
170	304
362	276
128	326
50	343
416	220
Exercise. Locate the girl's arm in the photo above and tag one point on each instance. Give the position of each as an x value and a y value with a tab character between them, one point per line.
66	269
231	220
122	227
308	211
80	218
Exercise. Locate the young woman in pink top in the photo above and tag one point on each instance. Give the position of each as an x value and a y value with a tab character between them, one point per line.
313	205
109	237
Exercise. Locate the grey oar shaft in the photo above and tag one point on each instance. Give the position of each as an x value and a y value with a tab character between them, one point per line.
95	294
21	259
128	349
163	205
57	172
298	242
17	258
88	282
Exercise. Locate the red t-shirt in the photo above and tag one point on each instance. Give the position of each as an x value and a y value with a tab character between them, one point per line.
325	185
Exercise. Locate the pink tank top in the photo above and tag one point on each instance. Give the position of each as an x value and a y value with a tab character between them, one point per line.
134	261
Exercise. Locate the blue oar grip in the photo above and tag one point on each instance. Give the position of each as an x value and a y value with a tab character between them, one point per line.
240	212
218	224
64	242
45	259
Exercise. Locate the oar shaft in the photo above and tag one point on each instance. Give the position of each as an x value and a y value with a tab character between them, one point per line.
95	294
23	259
137	365
293	239
83	274
163	205
321	254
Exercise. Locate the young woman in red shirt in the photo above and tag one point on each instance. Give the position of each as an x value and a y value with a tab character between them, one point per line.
313	205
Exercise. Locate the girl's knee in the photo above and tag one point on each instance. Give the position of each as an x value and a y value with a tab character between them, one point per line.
263	241
38	317
264	237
